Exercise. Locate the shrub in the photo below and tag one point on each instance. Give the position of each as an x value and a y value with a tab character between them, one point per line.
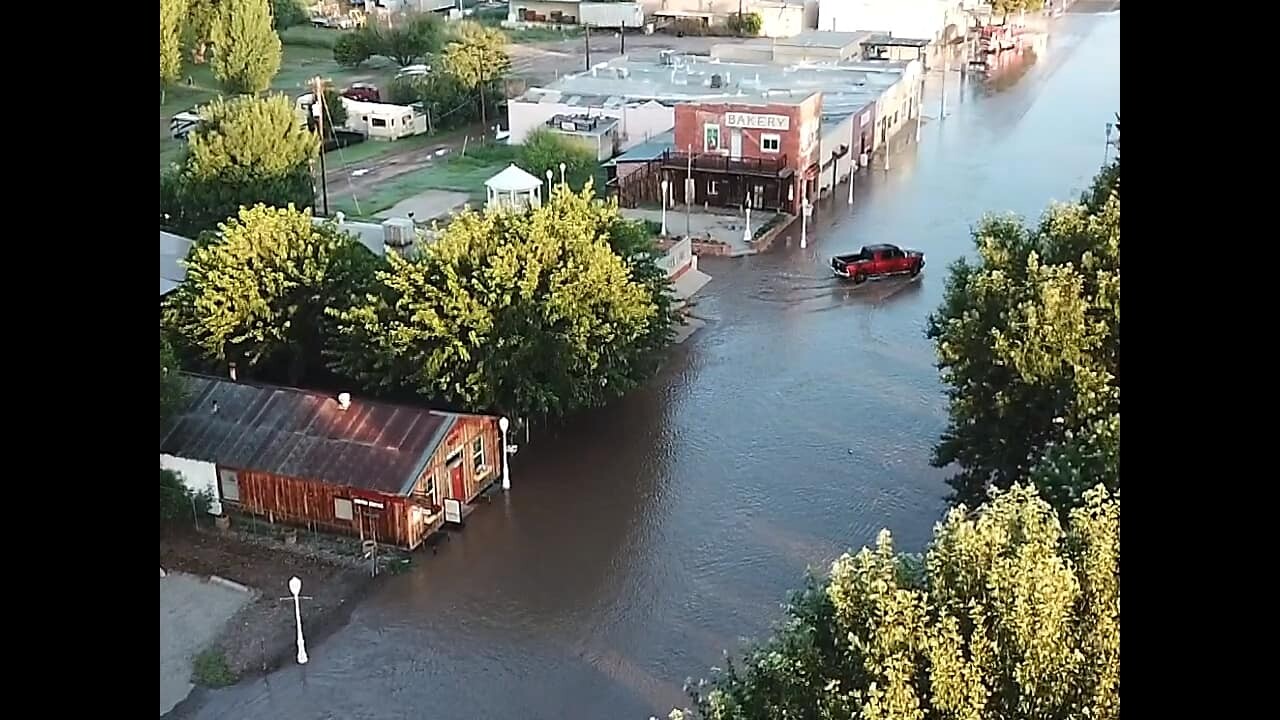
748	24
352	49
210	669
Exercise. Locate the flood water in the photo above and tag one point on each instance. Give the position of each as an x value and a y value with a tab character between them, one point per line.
641	541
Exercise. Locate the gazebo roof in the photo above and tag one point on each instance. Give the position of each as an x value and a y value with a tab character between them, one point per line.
513	179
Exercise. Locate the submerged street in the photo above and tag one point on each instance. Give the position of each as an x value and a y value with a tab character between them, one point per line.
641	541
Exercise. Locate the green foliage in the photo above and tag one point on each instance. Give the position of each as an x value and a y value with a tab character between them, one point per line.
450	103
1028	341
178	502
198	28
247	50
171	20
477	57
335	111
353	48
746	24
173	392
258	294
1010	615
287	13
247	150
525	313
544	150
1007	7
210	669
406	38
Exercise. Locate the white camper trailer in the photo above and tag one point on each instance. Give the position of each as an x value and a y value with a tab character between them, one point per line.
384	121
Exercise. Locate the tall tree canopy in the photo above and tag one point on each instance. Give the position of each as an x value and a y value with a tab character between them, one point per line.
258	294
544	150
171	19
1009	615
477	57
1028	343
246	150
405	38
527	313
247	51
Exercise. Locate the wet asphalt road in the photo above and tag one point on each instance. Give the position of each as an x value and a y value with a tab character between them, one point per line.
641	541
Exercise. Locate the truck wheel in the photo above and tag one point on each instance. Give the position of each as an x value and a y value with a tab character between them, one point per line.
915	270
859	278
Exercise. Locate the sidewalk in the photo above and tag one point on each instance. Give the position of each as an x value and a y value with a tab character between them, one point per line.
193	612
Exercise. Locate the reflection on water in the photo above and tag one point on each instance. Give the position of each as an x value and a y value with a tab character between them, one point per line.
642	540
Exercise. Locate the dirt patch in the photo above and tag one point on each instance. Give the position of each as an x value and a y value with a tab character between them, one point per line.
261	635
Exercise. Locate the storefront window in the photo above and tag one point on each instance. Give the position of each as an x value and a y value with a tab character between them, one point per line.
711	137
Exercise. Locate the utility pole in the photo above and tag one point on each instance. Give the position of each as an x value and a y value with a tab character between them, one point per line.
587	28
324	179
622	38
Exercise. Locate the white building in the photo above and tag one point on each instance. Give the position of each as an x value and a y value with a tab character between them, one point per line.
916	19
173	252
639	119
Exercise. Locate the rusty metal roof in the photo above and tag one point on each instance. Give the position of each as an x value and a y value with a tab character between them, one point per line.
304	434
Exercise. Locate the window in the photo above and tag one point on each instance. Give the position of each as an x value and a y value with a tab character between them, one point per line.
712	189
230	485
770	143
477	454
378	122
711	137
342	509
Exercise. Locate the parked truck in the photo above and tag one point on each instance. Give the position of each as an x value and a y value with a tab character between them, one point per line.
878	261
611	14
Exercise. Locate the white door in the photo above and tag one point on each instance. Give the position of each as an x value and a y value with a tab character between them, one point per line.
735	145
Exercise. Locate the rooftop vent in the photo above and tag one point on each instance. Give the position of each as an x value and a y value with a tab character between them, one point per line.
717	81
344	401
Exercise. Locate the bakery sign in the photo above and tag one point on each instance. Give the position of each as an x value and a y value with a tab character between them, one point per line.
757	122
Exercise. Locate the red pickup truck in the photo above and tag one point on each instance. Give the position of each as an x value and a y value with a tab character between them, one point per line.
878	261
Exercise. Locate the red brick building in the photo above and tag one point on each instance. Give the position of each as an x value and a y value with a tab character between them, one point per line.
765	151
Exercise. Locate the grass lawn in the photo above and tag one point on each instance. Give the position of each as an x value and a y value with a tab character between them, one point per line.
299	65
460	173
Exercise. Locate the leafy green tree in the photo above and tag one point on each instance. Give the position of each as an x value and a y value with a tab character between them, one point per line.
1007	7
287	13
173	393
446	99
544	150
1028	342
747	24
1009	614
525	313
247	51
246	150
171	19
477	57
406	38
258	294
198	28
353	48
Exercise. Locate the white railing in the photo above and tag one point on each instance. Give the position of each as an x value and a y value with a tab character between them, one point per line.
677	257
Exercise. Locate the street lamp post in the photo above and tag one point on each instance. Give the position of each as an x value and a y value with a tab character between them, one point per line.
804	220
562	167
664	185
746	231
504	424
295	587
550	187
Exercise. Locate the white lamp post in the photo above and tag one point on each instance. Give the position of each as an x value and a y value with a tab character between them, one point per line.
504	424
664	185
550	187
562	167
804	221
746	231
295	587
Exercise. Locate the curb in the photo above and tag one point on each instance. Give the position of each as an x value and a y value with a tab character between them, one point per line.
229	584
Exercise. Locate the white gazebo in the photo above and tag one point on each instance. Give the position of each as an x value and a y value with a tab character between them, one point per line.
514	189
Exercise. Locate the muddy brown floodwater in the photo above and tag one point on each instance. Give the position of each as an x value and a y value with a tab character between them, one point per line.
641	541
